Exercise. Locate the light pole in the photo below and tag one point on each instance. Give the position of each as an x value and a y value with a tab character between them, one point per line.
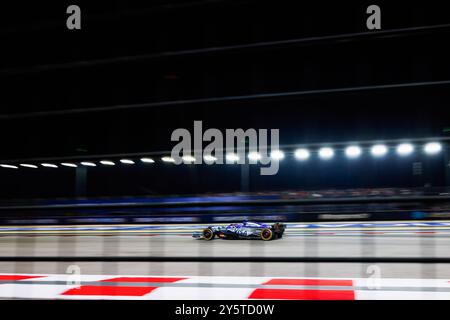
80	181
446	164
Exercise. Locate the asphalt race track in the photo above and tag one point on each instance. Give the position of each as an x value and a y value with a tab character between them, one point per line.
344	240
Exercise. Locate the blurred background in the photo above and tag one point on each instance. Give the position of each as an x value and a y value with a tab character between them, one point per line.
115	91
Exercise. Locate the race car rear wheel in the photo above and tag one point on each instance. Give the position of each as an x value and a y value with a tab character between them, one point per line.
266	234
208	234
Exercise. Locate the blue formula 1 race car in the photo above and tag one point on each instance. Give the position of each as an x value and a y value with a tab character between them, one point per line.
245	230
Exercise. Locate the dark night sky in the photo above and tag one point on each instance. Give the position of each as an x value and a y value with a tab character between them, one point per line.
137	49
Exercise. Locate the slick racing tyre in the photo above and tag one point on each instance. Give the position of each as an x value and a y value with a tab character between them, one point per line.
266	234
278	230
208	234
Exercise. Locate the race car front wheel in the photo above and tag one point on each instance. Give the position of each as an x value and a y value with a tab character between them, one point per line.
208	234
266	234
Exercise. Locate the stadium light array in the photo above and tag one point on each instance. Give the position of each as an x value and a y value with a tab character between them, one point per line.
432	148
68	164
326	153
209	158
188	159
254	156
107	163
405	149
232	157
126	161
88	164
302	154
277	155
26	165
49	165
9	166
379	150
353	152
